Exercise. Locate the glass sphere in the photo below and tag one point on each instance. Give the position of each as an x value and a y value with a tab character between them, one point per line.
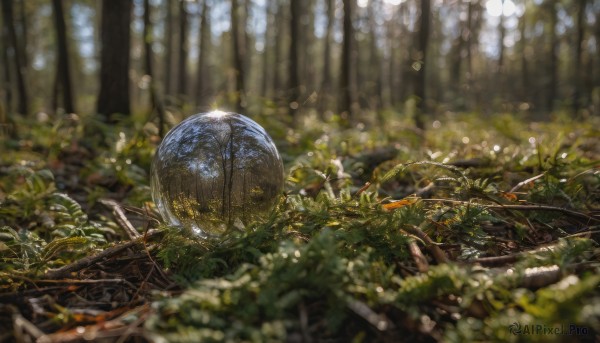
216	170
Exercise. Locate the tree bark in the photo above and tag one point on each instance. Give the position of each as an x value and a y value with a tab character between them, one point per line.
22	93
347	75
326	84
420	63
168	41
156	103
524	62
6	84
266	69
183	51
203	79
238	56
577	77
553	57
64	66
114	58
294	66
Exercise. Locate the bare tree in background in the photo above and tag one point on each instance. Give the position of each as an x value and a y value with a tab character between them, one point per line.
268	36
114	58
168	42
63	70
420	62
294	66
203	80
238	55
148	65
552	65
347	75
19	59
326	84
183	51
578	61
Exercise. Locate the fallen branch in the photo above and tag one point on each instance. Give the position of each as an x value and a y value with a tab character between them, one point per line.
417	254
524	182
85	262
438	254
121	218
531	207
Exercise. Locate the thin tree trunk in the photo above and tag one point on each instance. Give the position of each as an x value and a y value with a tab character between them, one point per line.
326	84
148	65
374	66
577	77
203	78
294	66
6	85
553	62
64	73
168	41
524	62
501	36
347	76
183	49
23	37
114	59
22	94
469	52
421	63
279	58
266	69
238	56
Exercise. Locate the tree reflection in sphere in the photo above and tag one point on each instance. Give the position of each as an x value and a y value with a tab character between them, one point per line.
214	171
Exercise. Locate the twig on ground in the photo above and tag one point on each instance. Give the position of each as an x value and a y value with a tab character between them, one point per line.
524	182
364	311
120	217
438	254
524	207
417	254
88	261
21	326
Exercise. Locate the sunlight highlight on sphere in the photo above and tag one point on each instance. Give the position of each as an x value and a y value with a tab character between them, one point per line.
495	8
215	171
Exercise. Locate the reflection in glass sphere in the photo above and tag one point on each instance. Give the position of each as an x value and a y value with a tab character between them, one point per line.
214	171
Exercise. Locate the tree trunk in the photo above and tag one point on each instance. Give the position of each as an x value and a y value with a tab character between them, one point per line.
294	66
114	58
553	62
469	53
577	77
374	67
22	94
6	84
168	41
183	51
266	69
203	78
347	75
148	65
420	63
238	56
501	36
279	57
22	36
327	83
63	67
524	62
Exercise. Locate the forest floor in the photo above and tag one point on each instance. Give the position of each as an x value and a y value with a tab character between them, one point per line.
479	229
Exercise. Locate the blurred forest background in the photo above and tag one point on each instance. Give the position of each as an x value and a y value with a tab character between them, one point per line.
345	59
